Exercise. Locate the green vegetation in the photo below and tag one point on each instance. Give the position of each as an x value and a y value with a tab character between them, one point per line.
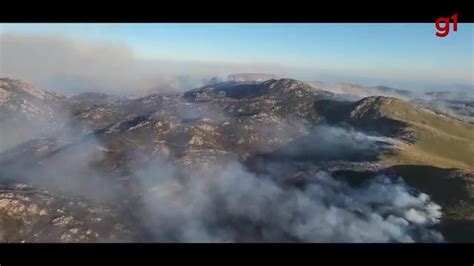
440	141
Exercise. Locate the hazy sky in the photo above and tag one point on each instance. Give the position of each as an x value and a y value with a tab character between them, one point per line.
405	52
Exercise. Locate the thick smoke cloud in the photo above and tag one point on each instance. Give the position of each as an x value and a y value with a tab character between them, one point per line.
227	203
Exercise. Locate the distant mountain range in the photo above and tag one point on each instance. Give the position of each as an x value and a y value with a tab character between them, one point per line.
458	104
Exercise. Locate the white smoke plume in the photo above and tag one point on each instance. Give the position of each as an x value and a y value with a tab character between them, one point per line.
227	203
324	142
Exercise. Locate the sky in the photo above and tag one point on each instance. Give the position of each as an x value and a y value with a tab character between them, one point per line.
404	52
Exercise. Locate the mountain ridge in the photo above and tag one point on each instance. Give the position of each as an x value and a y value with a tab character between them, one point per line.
110	141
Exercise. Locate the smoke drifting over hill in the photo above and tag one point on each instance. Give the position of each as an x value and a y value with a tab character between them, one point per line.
222	201
227	203
178	168
336	143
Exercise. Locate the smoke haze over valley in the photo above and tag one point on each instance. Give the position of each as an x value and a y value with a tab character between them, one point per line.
112	140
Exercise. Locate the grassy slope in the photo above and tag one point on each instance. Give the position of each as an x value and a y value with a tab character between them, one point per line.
442	144
441	141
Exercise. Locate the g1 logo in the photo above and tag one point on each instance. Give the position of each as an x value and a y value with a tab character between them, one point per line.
443	31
